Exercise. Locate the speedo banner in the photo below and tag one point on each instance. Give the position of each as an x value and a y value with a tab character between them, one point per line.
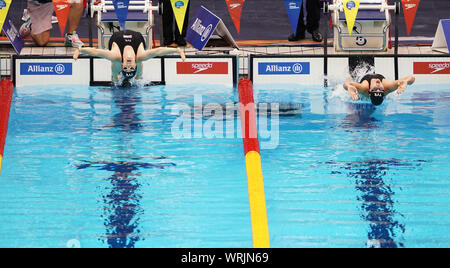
121	7
4	8
235	9
62	9
351	11
410	10
293	8
179	8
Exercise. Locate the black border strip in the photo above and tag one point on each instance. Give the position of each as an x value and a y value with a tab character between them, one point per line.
234	62
347	55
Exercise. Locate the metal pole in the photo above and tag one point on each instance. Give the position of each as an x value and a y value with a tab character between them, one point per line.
325	44
397	12
88	14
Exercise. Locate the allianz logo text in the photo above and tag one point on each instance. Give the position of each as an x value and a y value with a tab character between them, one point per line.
284	68
45	68
201	29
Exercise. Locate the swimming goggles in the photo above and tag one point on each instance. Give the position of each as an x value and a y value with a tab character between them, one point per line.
376	89
128	69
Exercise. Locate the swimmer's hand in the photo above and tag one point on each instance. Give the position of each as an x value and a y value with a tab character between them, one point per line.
353	92
182	55
401	86
76	53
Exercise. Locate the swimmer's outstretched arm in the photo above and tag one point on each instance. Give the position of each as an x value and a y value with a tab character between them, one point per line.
160	51
102	53
354	87
398	85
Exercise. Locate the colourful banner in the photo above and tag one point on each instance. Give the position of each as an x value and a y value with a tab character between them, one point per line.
409	10
121	7
62	9
4	8
293	8
235	9
179	8
351	11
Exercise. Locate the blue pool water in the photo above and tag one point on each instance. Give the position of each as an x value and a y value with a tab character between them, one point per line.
100	167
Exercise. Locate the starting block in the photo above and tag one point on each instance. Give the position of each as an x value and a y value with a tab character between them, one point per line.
140	16
371	28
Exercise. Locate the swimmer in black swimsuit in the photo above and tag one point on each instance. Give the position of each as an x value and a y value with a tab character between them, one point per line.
376	87
127	52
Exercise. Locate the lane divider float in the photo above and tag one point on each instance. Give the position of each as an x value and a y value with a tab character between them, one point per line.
258	211
6	91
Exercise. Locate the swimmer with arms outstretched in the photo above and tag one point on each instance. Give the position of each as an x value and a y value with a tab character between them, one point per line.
127	51
376	87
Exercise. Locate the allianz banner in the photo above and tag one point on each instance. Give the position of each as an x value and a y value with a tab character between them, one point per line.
202	27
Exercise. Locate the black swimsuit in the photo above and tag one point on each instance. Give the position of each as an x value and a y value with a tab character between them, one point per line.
127	38
369	77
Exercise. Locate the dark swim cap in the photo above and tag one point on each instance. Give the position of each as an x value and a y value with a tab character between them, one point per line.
376	98
126	83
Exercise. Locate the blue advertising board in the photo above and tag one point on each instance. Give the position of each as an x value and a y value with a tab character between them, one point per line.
201	28
284	68
45	68
446	29
13	34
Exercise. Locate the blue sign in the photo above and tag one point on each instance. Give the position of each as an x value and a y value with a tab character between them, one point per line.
446	29
201	28
13	34
293	8
283	68
45	68
2	4
121	7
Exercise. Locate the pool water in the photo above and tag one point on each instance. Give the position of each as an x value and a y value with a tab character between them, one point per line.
101	167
